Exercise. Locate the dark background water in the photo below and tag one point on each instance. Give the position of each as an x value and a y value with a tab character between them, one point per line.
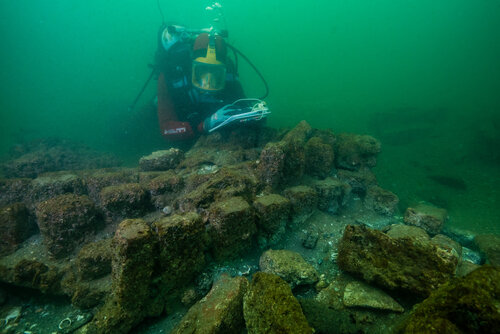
422	76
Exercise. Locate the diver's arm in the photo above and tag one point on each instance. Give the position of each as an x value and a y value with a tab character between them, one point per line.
171	128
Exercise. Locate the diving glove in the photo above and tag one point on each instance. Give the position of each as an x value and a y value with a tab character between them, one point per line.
240	111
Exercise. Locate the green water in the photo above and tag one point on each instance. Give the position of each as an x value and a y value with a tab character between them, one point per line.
423	76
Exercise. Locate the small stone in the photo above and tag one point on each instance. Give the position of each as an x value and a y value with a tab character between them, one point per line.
310	238
359	294
161	160
428	217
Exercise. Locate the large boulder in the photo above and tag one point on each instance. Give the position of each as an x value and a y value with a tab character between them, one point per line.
288	265
270	307
231	227
468	304
16	225
65	221
220	311
407	263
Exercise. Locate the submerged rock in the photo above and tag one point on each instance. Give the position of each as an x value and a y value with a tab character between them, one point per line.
65	221
161	160
359	294
428	217
288	265
405	263
464	305
16	225
270	307
220	311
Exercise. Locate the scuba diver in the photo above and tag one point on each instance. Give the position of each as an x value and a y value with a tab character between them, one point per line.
198	87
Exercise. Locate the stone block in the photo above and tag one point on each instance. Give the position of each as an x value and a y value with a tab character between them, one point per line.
231	227
127	200
65	221
272	215
16	225
182	241
381	200
332	194
220	311
94	260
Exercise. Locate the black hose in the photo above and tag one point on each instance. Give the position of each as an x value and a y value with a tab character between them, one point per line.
254	68
161	12
132	106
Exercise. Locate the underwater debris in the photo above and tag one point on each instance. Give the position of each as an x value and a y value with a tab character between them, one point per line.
449	181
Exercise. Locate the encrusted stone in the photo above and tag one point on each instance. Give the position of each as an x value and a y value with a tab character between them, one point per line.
220	311
231	227
65	221
288	265
161	160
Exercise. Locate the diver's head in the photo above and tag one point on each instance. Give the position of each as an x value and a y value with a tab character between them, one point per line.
209	71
